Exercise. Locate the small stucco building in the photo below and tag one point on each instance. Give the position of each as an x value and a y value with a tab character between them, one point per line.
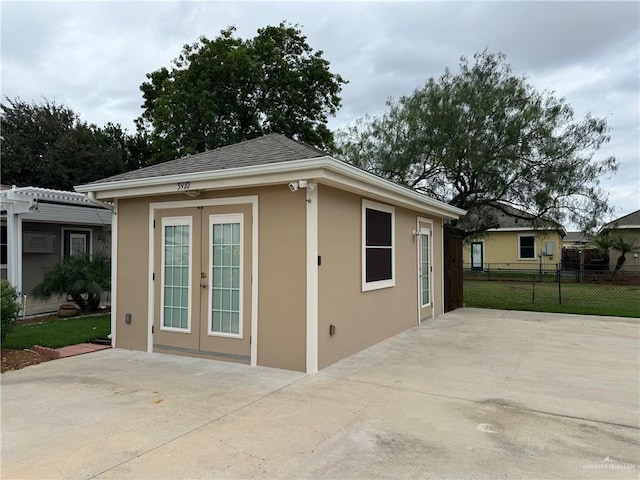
269	252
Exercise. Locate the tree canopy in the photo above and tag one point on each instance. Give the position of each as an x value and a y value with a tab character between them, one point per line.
226	90
47	145
485	138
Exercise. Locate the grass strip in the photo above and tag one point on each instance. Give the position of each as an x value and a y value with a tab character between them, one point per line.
59	333
581	298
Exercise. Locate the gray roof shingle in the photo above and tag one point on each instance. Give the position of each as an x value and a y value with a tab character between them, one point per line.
268	149
632	219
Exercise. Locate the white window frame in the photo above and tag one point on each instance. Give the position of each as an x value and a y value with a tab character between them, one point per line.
535	242
483	253
376	285
174	222
428	232
64	230
219	219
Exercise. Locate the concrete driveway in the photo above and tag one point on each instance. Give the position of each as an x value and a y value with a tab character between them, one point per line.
472	394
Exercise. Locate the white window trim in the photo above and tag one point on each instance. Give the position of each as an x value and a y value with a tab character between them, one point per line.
218	219
368	286
73	229
535	243
172	222
428	232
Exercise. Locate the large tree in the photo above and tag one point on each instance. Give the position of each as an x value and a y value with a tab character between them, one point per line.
484	139
47	145
226	90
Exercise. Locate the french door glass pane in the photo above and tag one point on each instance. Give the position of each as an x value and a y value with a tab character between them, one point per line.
225	291
176	276
424	268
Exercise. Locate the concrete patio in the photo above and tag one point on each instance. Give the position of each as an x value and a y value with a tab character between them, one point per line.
472	394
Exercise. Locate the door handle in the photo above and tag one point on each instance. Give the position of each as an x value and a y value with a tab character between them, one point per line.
203	285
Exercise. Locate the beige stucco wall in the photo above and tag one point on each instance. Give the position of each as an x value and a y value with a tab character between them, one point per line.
132	272
501	249
281	270
631	264
363	318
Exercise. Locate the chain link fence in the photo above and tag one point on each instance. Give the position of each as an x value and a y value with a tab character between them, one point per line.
549	288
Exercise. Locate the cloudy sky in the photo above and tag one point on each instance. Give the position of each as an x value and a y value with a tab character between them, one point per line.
93	56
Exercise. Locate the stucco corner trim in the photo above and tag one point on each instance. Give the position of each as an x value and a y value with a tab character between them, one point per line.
312	281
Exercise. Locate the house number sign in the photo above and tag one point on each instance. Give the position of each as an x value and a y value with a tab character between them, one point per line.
182	186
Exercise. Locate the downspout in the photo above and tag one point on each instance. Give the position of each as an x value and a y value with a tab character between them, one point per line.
91	196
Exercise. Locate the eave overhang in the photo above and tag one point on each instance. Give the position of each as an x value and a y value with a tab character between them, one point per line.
323	170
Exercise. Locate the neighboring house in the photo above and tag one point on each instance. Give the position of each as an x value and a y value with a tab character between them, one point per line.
628	227
515	243
269	252
39	227
575	240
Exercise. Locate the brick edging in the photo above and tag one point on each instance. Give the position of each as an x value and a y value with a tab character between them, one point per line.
52	353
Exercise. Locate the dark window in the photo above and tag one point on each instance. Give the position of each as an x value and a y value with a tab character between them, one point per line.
76	242
378	228
378	264
378	244
527	247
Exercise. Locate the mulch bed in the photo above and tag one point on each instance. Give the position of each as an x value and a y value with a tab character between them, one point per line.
17	359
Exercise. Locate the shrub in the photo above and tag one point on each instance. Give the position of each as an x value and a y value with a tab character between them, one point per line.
81	277
9	308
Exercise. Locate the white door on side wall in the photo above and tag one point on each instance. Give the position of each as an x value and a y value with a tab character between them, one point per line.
425	273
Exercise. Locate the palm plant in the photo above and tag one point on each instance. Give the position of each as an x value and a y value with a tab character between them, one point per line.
603	242
624	245
80	277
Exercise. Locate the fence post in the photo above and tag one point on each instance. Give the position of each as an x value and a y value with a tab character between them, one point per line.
580	278
489	271
559	285
533	291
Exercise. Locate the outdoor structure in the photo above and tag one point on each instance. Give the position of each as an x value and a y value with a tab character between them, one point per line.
515	244
628	227
41	226
575	240
269	252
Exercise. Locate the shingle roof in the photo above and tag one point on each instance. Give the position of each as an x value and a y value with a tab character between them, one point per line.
576	237
630	220
507	218
268	149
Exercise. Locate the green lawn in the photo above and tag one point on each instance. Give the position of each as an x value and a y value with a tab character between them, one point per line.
59	333
585	298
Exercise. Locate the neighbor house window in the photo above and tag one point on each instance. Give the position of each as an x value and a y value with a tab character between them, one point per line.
527	247
76	242
378	251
